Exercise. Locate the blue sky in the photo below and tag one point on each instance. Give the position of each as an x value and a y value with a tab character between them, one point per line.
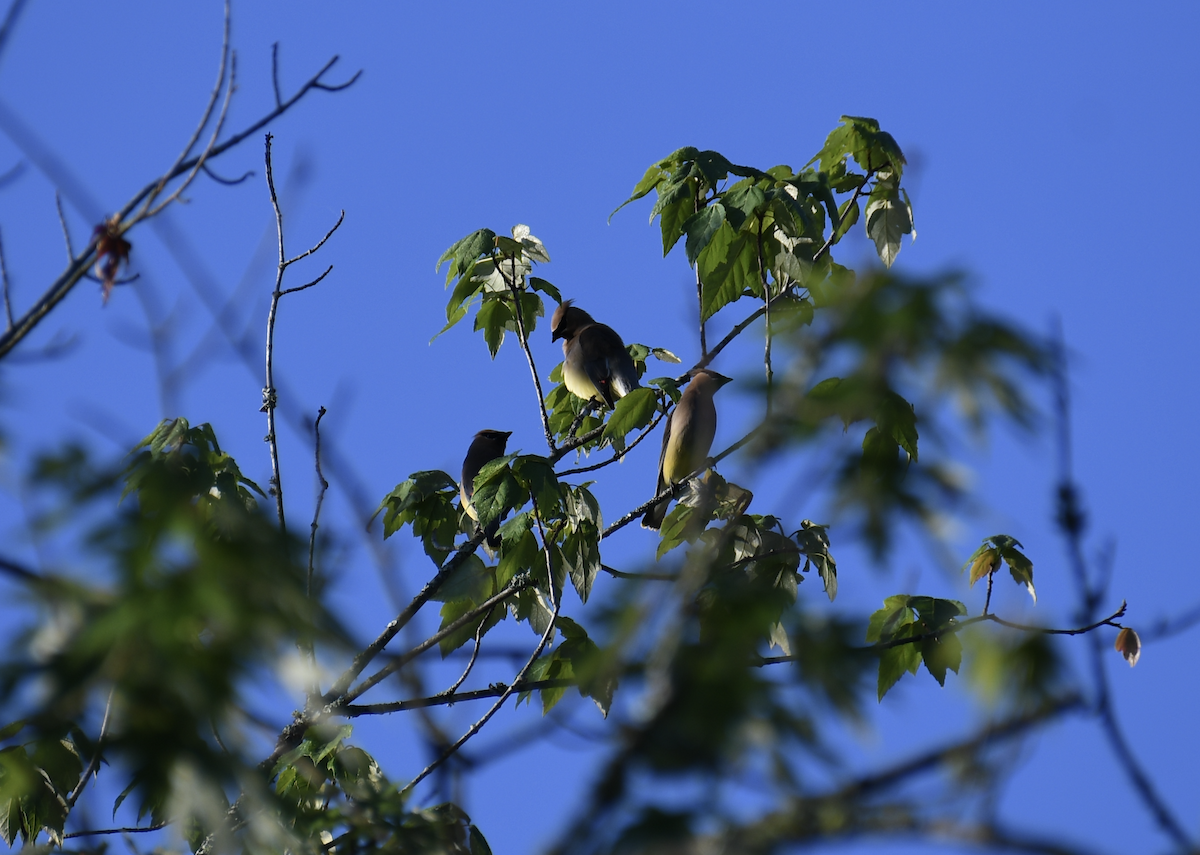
1049	158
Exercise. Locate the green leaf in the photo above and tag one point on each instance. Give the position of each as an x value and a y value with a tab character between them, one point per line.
940	654
701	227
728	268
633	412
895	661
888	221
539	284
1020	567
519	549
463	253
649	181
497	491
581	556
493	316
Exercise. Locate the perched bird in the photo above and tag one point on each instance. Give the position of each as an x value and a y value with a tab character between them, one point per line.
687	437
487	446
595	361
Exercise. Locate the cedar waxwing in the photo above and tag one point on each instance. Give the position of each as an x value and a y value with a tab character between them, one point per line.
595	361
687	437
487	446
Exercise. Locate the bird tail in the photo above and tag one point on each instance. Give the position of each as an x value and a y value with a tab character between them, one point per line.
655	515
623	383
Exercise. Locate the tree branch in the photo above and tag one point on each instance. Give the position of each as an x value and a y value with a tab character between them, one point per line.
79	265
504	696
617	455
516	585
375	647
493	691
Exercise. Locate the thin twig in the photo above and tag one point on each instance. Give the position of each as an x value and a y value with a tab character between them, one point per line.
575	442
94	763
1070	523
222	70
228	182
5	285
617	455
504	696
762	273
269	393
127	830
493	691
474	655
322	486
18	571
699	285
515	586
389	632
275	74
645	577
79	265
317	245
62	221
10	22
307	284
523	338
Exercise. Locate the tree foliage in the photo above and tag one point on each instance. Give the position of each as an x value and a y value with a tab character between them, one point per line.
715	657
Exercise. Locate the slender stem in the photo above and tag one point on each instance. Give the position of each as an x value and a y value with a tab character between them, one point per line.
355	710
389	632
504	696
699	284
8	315
474	654
523	337
762	275
617	455
94	763
222	70
322	487
62	221
269	394
514	587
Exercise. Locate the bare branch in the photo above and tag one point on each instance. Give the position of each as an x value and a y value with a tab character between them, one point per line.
318	244
17	170
516	585
54	167
222	70
1071	525
376	647
228	182
275	75
62	221
308	284
474	655
4	285
493	691
10	22
18	571
269	394
127	830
